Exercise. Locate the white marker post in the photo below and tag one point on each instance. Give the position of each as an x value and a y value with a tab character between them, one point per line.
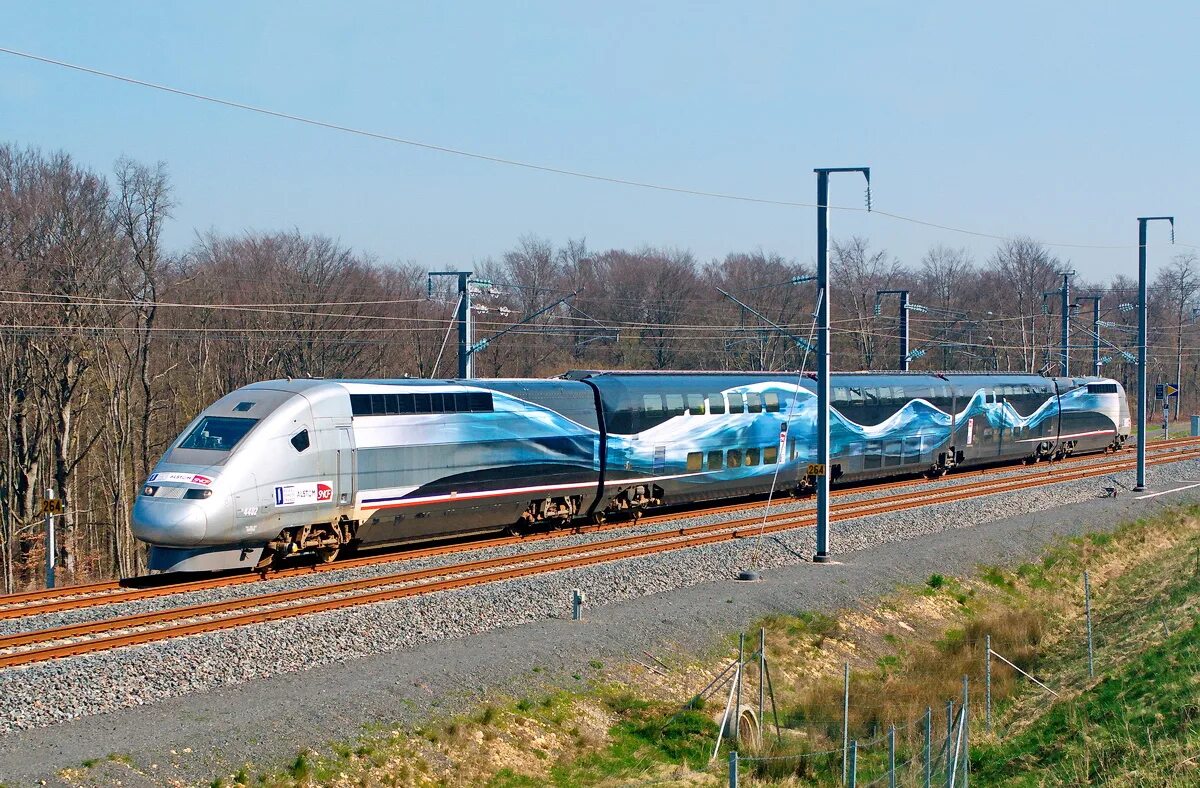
49	506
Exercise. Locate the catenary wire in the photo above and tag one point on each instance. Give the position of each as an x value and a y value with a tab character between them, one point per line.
526	164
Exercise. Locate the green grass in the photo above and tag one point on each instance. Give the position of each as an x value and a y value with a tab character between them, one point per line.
1141	722
640	742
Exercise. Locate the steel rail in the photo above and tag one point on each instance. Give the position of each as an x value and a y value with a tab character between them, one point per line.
500	569
23	604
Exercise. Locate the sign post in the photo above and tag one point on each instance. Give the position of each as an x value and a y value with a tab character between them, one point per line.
50	507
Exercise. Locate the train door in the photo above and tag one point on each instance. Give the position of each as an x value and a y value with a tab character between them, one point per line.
345	467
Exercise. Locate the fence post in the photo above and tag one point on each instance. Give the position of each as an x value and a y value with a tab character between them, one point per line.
949	737
966	729
1087	609
987	677
845	719
737	707
853	762
733	769
892	756
762	677
928	745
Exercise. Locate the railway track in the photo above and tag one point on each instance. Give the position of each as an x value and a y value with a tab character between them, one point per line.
40	645
44	601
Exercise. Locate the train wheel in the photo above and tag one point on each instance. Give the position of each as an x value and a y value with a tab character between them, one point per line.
598	518
327	555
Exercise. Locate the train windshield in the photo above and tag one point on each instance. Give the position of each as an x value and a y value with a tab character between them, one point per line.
217	433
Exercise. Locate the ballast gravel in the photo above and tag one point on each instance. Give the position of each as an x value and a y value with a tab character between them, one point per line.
49	693
43	694
779	505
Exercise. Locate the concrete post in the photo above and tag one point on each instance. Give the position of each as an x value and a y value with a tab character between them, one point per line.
733	769
891	741
987	674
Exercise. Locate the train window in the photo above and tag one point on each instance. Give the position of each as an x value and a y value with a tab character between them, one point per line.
873	456
674	404
716	404
377	403
217	433
421	403
1102	388
733	458
771	400
752	456
793	452
737	403
753	402
870	396
242	407
841	395
694	460
300	440
856	396
695	404
770	455
652	403
898	397
715	460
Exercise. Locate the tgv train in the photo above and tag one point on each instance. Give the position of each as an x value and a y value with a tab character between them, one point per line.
281	467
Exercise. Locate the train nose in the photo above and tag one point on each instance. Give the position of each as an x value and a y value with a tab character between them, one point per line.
168	522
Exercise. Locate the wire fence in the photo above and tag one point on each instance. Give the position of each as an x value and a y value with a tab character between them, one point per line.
1000	690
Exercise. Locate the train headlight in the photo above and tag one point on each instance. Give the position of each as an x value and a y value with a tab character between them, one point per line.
149	490
197	495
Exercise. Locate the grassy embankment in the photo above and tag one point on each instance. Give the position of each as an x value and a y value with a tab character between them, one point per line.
1137	722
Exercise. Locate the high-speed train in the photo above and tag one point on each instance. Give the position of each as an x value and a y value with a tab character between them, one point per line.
289	466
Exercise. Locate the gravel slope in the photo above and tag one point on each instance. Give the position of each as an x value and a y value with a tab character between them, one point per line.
397	660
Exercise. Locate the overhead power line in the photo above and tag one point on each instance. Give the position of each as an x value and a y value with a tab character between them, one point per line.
493	159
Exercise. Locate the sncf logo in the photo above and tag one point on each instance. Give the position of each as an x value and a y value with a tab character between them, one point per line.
198	479
324	492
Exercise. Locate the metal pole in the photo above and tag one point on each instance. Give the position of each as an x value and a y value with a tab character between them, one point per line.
1141	376
853	763
51	547
823	366
892	756
845	718
737	709
762	675
1096	336
1087	609
823	354
1141	392
928	745
733	769
949	736
466	366
1065	360
904	330
987	672
966	729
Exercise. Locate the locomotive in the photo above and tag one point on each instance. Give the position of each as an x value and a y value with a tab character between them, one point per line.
319	466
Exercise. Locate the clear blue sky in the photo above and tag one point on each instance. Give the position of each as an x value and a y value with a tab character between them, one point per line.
1064	121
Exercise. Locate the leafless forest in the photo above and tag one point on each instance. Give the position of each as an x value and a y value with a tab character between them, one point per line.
110	343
